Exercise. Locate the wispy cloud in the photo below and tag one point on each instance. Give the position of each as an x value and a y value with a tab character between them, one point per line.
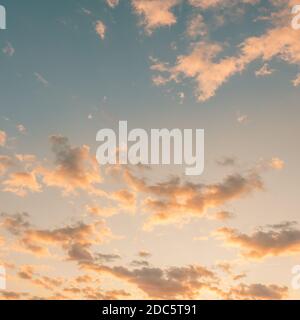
41	79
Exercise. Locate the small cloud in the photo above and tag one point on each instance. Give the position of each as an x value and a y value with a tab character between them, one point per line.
181	96
144	254
140	263
21	129
223	215
3	138
8	50
112	3
41	79
277	163
265	70
100	29
86	11
296	81
242	119
226	162
90	116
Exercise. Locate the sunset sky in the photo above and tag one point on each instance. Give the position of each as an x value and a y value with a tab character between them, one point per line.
71	229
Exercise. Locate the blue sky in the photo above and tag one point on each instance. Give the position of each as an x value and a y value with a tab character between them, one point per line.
60	77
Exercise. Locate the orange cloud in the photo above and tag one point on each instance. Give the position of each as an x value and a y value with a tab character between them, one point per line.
208	4
277	163
258	291
170	283
176	202
75	239
273	240
75	168
3	138
21	183
209	72
155	13
5	163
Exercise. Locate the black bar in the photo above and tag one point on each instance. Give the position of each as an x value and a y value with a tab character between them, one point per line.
92	310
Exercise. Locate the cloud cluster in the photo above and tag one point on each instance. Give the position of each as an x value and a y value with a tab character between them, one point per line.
273	240
209	69
174	201
157	283
258	291
75	239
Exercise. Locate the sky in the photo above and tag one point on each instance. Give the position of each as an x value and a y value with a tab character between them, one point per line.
73	229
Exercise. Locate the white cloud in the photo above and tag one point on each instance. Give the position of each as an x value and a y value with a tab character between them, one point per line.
100	29
265	70
112	3
41	79
9	50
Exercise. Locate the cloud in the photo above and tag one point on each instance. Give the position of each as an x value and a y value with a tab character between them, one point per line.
75	239
8	50
156	13
196	27
41	79
21	128
3	138
6	162
144	254
21	183
112	3
176	202
101	211
258	291
277	163
265	70
227	162
16	224
209	4
242	119
26	158
170	283
127	198
223	215
75	168
296	81
100	29
273	240
140	263
10	295
107	257
205	65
